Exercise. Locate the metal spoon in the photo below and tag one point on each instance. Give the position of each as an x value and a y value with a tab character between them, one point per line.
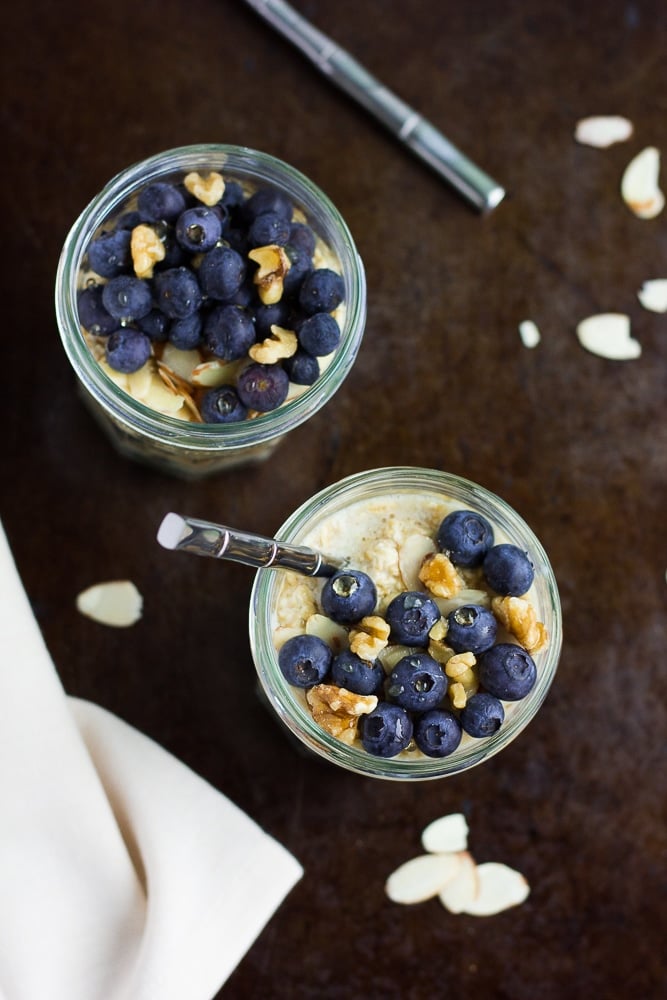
219	542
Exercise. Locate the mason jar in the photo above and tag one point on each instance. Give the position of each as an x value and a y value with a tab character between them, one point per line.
173	445
333	521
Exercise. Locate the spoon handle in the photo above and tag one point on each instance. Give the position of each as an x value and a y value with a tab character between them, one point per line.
219	542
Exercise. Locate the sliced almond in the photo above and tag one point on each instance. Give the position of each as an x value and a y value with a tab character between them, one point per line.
653	295
462	891
529	333
138	383
422	877
449	833
328	631
182	363
639	185
117	603
390	655
608	335
213	373
283	633
500	888
411	555
447	604
603	130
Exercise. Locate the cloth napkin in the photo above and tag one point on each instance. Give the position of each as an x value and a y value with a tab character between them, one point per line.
123	875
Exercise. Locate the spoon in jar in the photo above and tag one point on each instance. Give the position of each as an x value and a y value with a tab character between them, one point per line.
220	542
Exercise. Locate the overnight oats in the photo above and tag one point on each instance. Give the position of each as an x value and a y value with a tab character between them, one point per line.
210	300
432	645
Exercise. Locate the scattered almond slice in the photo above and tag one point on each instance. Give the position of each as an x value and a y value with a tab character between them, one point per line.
448	604
529	333
411	555
213	373
608	335
283	633
329	631
117	603
653	295
422	878
181	362
463	889
448	833
639	185
603	130
139	382
500	888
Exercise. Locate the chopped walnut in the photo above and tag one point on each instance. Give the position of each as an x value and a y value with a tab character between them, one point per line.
520	618
370	637
281	344
463	679
209	190
457	695
439	630
439	575
337	710
147	250
459	664
269	276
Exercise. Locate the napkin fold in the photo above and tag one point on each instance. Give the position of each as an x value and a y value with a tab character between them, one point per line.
123	874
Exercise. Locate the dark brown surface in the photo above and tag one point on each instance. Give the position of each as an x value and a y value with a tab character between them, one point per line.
576	443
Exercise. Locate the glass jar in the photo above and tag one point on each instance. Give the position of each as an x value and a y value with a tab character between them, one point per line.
289	703
192	450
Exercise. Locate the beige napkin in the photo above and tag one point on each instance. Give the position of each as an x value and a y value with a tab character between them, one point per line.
123	875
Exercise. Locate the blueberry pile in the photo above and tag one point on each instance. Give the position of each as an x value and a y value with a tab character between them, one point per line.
202	294
413	707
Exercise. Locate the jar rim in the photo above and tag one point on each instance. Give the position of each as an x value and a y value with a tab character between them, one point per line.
373	483
252	165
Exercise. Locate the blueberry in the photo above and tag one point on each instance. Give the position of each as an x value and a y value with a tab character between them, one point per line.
174	254
386	730
302	237
198	229
155	325
466	537
507	671
109	254
233	196
221	273
437	733
508	570
411	615
417	683
177	292
300	266
348	596
268	228
263	387
471	628
222	406
351	672
160	202
267	316
237	240
322	290
268	200
127	350
127	298
92	314
128	220
302	368
483	715
229	332
305	660
186	333
319	334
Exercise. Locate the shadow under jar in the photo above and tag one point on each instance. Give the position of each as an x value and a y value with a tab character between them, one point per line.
184	445
386	523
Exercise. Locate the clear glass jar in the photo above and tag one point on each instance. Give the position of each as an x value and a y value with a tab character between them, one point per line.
289	704
192	450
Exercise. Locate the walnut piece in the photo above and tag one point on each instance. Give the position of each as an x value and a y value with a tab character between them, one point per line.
520	618
337	710
460	664
208	190
269	276
147	250
281	344
457	695
439	575
370	637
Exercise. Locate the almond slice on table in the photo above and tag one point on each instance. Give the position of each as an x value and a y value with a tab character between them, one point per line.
602	130
500	888
639	184
653	295
411	555
529	333
463	889
608	335
117	603
448	833
422	878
